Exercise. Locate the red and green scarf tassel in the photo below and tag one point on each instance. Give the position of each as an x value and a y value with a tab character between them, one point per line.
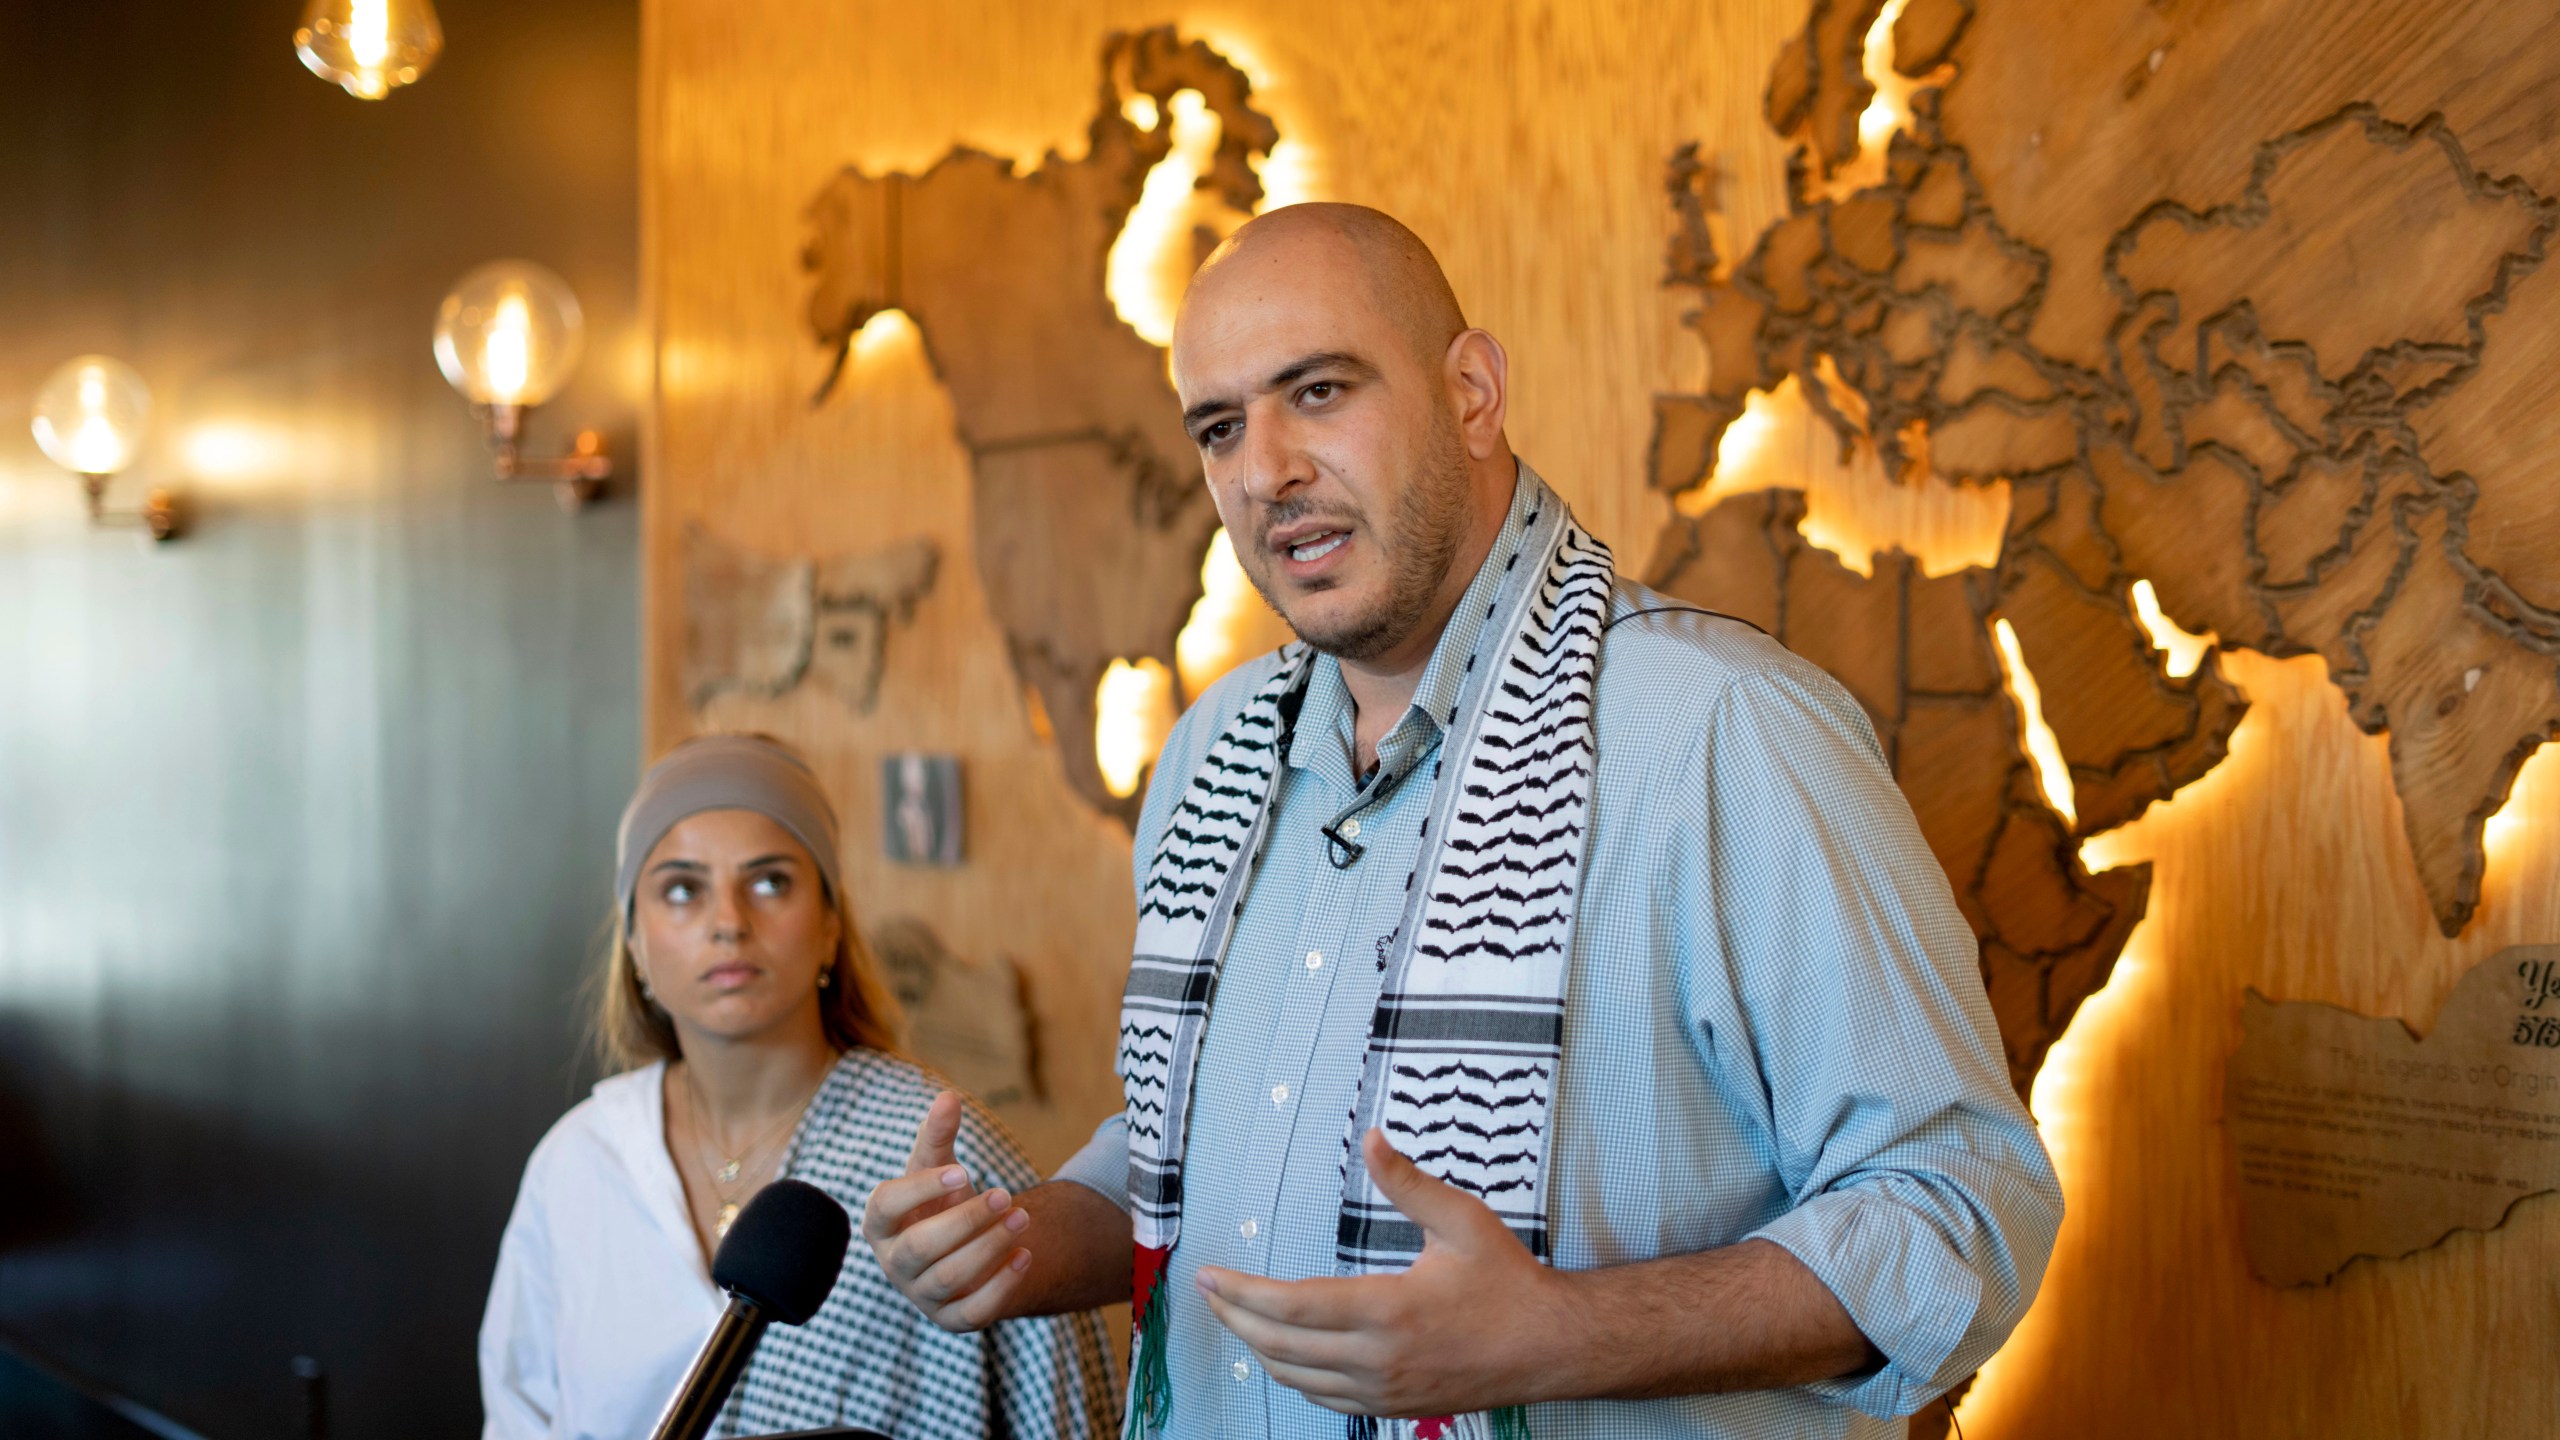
1150	1384
1508	1423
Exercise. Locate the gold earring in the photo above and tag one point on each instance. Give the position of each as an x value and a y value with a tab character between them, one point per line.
826	977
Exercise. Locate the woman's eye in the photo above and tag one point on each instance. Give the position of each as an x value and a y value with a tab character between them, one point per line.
678	892
772	885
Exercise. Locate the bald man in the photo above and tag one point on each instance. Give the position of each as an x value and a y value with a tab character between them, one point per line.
1596	1048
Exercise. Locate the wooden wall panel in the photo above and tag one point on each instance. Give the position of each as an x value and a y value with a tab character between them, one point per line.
1527	144
1529	153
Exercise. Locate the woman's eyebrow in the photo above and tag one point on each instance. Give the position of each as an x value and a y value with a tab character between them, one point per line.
763	860
677	865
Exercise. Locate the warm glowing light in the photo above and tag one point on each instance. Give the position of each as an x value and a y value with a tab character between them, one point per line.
2184	651
1852	509
2535	799
506	352
1754	453
2053	773
1289	175
369	32
1889	111
90	415
1229	625
369	48
1133	712
224	450
885	334
1152	258
510	333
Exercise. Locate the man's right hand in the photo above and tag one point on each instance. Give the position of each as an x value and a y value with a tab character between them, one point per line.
950	1248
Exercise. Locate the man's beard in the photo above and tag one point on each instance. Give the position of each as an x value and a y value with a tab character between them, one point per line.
1419	542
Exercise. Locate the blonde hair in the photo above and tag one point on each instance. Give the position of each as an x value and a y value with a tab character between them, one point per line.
856	1009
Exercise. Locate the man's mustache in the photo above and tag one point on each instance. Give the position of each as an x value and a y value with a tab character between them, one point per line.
1292	512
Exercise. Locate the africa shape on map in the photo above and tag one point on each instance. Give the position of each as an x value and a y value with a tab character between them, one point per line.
1091	516
2264	418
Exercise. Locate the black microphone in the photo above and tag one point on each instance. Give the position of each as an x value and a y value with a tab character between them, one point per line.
778	1262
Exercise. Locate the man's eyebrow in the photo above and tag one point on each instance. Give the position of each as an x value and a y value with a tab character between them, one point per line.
1289	374
1307	365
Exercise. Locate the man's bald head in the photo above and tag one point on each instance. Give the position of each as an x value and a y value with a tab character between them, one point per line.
1349	424
1338	246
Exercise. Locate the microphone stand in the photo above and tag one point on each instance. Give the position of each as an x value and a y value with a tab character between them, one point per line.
696	1403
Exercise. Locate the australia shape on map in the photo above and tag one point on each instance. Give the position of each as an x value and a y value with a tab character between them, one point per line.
1091	515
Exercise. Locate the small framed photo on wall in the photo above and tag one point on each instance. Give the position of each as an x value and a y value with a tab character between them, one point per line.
920	807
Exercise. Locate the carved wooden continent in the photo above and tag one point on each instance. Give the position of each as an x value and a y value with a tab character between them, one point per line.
1091	518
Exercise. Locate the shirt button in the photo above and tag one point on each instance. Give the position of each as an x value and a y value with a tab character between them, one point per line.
1351	828
1250	1228
1279	1094
1243	1371
1315	959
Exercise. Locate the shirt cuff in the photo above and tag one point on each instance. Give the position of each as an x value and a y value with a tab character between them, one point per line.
1102	1165
1906	1289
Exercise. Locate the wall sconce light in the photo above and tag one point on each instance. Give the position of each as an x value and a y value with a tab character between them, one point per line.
508	338
369	48
90	418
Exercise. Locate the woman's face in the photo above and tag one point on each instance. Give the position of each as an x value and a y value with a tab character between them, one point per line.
731	926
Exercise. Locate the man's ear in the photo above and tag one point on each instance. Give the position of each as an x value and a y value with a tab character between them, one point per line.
1478	374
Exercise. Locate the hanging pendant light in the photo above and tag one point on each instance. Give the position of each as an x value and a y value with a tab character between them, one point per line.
369	48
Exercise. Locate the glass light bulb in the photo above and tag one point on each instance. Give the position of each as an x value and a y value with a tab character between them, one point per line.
369	47
90	415
509	334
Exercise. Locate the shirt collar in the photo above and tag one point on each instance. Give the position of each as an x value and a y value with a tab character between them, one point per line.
1323	737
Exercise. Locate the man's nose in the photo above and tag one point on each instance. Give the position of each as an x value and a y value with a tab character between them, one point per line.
1273	462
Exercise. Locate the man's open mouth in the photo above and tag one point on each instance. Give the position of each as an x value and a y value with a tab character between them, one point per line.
1316	547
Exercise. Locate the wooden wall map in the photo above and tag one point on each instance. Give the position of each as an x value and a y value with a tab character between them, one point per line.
966	1018
2354	1137
2239	389
1526	144
761	625
1091	518
1917	653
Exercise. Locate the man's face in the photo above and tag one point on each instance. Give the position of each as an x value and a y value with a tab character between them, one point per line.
1331	448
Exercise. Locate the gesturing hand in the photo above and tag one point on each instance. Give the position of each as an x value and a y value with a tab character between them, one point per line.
1459	1331
948	1247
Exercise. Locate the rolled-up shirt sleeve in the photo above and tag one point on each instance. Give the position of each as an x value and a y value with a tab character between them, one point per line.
1840	988
1103	1164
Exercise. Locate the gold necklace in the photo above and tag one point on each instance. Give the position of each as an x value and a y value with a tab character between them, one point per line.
732	1166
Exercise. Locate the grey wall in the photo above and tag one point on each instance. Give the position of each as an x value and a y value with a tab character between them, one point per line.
305	820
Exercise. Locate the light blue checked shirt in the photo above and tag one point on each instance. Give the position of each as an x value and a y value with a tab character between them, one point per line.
1774	1027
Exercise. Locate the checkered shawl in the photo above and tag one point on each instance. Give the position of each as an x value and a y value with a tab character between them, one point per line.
870	1359
1463	1051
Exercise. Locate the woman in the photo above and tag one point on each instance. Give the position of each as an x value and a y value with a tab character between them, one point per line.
756	1041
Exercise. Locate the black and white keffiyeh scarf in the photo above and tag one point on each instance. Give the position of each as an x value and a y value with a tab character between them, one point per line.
1464	1046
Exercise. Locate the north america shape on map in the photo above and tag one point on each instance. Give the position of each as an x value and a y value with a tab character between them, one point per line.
1091	515
2253	361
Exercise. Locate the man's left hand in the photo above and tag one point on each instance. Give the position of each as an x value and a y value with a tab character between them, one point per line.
1463	1329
